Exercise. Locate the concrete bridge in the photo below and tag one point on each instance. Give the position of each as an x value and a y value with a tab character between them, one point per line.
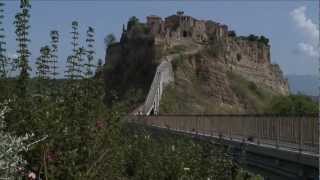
284	145
163	76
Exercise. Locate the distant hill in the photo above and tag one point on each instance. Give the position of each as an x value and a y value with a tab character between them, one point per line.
305	84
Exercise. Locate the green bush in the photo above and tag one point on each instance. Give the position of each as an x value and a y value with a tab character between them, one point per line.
232	34
293	104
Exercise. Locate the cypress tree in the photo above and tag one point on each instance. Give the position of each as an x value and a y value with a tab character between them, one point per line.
20	118
81	53
3	58
43	68
73	61
22	26
90	52
54	53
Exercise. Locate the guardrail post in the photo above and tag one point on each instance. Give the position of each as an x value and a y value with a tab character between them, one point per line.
230	132
300	134
243	130
258	132
278	124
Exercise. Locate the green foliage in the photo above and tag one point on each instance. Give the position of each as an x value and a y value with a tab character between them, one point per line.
264	40
43	68
254	99
293	105
109	39
89	64
252	37
54	52
22	26
160	156
3	58
177	49
137	31
232	34
133	21
260	39
177	62
131	65
11	148
74	70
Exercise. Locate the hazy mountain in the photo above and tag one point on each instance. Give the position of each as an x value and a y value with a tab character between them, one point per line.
306	84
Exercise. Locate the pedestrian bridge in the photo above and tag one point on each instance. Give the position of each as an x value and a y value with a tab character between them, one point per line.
292	142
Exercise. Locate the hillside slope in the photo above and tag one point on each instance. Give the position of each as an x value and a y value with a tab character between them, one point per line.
204	85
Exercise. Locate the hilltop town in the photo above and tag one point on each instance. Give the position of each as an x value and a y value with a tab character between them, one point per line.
220	52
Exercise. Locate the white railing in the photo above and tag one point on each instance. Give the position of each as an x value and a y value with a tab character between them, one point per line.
163	76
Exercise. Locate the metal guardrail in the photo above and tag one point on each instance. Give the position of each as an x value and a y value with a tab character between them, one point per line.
163	76
295	133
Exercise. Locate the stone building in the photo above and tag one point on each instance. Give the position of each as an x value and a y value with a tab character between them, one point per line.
177	27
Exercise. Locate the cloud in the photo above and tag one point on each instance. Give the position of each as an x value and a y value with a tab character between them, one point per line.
309	50
13	55
308	29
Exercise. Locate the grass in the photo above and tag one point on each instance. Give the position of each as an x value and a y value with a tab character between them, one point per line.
252	96
177	49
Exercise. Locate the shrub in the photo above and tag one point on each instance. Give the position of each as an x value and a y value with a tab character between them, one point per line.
293	104
11	147
232	34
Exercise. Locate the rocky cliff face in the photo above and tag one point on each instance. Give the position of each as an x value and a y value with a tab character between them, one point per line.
227	72
247	56
129	67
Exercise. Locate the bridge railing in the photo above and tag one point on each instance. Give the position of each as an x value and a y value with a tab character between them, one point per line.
296	133
163	76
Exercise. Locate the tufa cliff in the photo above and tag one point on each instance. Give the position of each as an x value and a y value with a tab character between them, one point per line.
214	69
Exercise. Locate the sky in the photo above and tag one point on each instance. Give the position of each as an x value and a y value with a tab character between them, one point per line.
291	26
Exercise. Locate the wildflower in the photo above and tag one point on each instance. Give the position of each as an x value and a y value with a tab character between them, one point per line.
147	137
51	156
173	148
32	176
99	124
186	169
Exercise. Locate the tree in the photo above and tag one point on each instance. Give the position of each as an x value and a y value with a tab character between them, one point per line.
73	65
90	52
109	39
232	34
132	22
293	104
54	53
43	68
3	58
264	40
99	65
252	37
11	148
22	26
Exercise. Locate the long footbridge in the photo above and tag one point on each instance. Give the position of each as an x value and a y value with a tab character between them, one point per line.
288	145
